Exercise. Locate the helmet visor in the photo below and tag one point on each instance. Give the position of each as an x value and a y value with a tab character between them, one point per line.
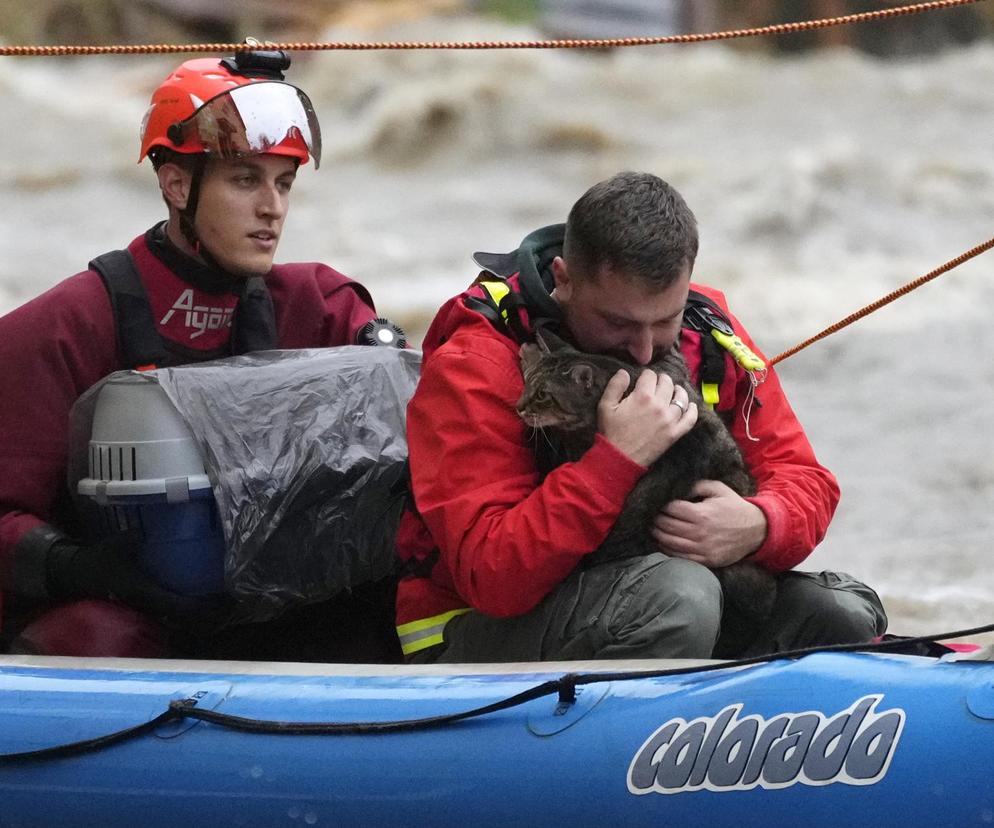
254	119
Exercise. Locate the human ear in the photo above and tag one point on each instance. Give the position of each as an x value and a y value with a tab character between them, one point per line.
561	277
174	182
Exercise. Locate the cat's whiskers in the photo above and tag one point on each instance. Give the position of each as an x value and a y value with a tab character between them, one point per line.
538	434
548	440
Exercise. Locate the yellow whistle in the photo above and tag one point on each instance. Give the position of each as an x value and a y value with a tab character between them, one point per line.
738	349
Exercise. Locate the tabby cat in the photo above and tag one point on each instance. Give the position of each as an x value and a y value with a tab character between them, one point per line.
559	403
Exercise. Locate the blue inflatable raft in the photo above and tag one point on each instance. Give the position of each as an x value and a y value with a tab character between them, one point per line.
826	739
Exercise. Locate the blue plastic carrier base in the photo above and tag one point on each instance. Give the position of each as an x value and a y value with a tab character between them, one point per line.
182	545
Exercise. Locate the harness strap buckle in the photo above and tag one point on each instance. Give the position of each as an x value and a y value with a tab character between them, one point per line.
704	319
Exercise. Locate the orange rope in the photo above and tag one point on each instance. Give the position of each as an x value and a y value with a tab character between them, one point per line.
778	29
886	300
605	43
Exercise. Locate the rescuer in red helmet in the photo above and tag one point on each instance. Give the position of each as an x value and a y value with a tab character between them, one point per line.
235	116
225	138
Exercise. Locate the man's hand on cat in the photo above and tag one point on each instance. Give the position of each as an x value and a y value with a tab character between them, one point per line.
715	529
648	421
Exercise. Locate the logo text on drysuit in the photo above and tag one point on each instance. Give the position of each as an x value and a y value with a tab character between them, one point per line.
199	317
727	752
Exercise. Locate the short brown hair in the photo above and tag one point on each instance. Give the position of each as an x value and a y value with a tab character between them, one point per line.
164	155
634	223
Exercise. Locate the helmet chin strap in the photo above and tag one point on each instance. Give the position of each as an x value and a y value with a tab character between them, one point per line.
188	215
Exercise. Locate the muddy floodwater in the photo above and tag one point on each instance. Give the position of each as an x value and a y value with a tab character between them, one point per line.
821	182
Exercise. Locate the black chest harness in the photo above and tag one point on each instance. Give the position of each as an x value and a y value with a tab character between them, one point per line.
501	306
141	347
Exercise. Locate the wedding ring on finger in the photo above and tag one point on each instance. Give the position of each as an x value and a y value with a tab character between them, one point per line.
681	405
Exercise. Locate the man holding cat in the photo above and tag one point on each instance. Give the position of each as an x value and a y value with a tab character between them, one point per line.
492	554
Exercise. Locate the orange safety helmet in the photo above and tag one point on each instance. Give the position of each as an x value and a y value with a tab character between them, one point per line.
232	108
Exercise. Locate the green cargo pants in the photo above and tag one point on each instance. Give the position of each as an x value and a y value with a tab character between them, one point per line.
661	607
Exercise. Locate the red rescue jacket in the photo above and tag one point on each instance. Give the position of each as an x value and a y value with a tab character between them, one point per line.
488	536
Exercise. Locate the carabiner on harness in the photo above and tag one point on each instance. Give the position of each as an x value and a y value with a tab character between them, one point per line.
707	320
702	316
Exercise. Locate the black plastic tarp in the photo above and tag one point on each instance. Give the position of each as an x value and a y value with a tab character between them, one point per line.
307	457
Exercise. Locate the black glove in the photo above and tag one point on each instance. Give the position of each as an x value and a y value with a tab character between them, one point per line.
108	571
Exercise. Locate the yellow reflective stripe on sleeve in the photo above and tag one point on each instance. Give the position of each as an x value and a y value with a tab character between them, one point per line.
738	349
709	390
425	632
496	291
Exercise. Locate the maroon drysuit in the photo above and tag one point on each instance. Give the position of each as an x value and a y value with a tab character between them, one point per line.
56	346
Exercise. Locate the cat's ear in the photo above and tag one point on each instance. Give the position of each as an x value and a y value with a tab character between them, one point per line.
528	354
549	341
583	375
